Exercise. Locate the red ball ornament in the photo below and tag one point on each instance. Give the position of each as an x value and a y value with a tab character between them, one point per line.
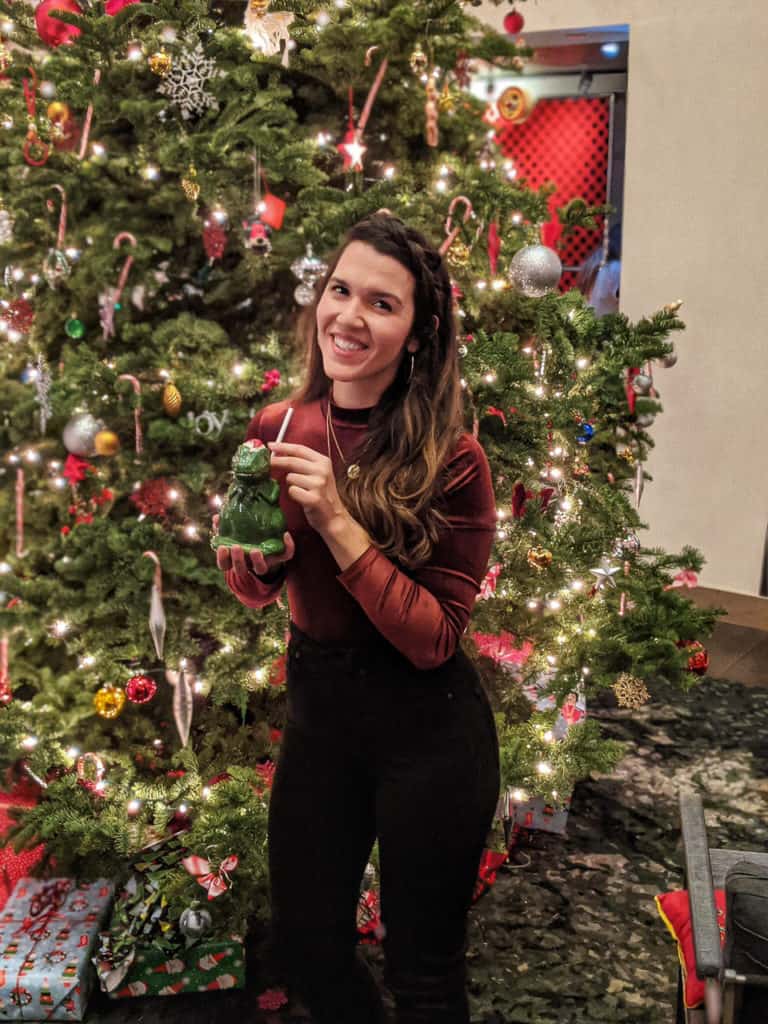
513	23
140	689
114	6
698	662
50	29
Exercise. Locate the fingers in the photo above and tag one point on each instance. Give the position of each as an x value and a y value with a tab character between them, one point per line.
246	562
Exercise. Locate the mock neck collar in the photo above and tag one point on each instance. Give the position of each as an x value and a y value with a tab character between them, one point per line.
342	415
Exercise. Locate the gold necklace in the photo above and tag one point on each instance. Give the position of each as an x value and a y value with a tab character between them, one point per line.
353	470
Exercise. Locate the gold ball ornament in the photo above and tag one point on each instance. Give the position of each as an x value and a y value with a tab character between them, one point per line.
539	558
172	400
458	256
418	60
160	63
109	701
58	112
106	442
630	691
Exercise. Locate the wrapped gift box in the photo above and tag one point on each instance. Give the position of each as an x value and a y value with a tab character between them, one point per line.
47	933
205	967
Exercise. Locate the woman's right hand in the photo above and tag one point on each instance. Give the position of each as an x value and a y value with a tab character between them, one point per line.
245	562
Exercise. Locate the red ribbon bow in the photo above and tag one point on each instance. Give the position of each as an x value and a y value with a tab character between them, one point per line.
686	578
216	882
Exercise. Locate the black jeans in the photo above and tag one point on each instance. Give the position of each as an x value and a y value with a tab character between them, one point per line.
374	747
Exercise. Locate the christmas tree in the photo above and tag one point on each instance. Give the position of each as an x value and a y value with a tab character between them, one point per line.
171	179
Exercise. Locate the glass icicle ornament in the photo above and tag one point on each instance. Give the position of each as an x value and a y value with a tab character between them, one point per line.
6	226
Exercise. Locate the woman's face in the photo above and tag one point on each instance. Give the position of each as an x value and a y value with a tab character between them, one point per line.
364	320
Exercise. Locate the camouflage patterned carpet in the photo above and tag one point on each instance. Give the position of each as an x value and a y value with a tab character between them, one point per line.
570	933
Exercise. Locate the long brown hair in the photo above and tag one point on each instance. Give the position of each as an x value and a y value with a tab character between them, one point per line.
415	425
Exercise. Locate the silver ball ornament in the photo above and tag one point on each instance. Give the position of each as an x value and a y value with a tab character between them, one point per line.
79	435
194	922
304	294
535	270
669	360
645	420
642	384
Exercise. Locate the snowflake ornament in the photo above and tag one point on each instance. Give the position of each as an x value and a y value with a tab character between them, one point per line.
184	85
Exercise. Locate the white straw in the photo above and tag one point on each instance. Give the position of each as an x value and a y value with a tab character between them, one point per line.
284	425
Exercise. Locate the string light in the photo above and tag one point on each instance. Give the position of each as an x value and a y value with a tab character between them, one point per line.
519	795
549	736
238	369
5	567
150	173
206	792
29	742
98	150
543	768
135	52
133	808
86	661
61	627
173	494
441	185
72	752
577	585
191	531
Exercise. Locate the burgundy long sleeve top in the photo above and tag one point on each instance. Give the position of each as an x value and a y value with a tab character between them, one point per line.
421	612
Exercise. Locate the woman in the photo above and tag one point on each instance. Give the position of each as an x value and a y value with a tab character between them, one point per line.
390	514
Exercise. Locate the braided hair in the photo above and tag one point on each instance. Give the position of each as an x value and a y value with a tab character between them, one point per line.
414	428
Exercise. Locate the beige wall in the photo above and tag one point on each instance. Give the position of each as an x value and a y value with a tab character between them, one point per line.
695	227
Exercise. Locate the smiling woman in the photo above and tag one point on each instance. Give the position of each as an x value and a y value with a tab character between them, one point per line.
390	514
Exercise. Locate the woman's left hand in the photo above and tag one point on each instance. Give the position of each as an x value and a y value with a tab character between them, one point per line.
311	482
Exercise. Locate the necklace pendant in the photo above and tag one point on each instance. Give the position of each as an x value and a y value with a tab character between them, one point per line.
353	471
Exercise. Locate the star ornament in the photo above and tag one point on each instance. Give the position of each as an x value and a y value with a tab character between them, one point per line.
604	574
353	152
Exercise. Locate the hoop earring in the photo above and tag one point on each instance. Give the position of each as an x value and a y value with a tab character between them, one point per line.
413	360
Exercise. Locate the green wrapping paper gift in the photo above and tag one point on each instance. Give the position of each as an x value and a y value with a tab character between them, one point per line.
208	966
48	930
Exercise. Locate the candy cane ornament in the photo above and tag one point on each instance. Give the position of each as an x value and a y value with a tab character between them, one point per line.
136	411
88	119
111	297
452	232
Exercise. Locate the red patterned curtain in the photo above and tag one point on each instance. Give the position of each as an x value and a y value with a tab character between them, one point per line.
564	141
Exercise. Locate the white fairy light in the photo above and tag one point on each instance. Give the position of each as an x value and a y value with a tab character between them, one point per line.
551	659
59	482
150	172
582	363
73	752
549	736
135	52
217	501
532	604
173	494
543	768
5	567
441	185
585	671
577	585
481	285
490	378
183	808
389	172
61	627
86	661
165	374
98	150
323	18
206	792
133	806
29	742
517	218
238	369
31	455
498	284
191	531
591	634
